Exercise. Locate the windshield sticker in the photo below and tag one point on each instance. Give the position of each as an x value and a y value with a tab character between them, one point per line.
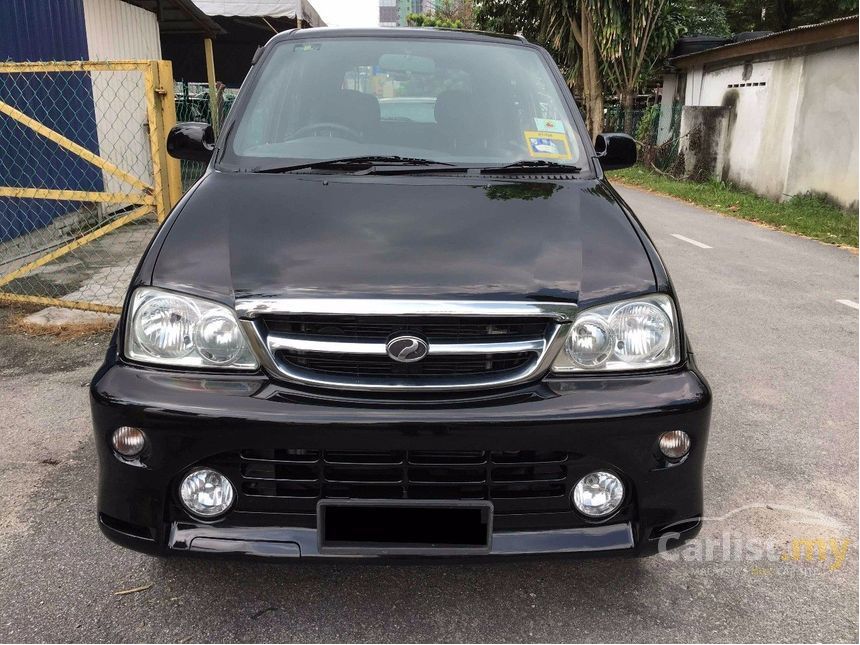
547	145
549	125
307	47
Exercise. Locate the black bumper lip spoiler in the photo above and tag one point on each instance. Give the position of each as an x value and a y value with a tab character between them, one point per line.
275	542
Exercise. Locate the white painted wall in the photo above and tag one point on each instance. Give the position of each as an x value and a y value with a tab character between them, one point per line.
824	155
794	128
119	31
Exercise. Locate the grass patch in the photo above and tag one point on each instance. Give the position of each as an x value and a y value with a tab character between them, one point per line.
810	215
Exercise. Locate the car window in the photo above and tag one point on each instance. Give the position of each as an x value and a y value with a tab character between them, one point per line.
452	101
417	109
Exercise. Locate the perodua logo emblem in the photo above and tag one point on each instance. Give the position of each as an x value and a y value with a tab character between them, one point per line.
407	349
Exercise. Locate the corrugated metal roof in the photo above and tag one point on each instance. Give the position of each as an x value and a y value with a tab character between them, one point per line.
780	40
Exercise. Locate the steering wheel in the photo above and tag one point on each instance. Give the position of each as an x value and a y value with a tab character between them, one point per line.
312	128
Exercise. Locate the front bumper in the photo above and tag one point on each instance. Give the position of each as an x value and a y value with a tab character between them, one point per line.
607	422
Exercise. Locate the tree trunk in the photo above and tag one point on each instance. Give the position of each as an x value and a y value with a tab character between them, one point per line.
626	99
592	86
597	120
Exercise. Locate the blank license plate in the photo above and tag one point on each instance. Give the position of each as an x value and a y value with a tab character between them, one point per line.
391	526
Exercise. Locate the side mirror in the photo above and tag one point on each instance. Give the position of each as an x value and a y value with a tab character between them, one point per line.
191	141
615	150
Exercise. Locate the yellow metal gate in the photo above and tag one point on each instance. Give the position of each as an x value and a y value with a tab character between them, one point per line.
84	177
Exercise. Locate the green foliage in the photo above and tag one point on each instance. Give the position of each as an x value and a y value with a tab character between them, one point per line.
424	20
776	15
527	17
810	215
646	129
510	17
625	29
704	18
621	23
632	45
462	11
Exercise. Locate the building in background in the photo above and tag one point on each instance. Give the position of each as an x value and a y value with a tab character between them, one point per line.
393	13
107	121
776	114
388	13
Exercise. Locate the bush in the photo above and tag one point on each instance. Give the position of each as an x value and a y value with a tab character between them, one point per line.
646	129
424	20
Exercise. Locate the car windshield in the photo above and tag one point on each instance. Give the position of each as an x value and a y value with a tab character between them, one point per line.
463	102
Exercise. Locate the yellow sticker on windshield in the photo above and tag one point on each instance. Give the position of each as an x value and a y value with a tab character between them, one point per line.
547	145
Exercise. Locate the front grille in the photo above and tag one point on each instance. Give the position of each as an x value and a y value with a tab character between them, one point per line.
359	365
447	329
294	480
456	346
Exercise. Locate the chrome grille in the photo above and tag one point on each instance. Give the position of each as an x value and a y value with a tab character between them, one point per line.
361	366
440	329
342	343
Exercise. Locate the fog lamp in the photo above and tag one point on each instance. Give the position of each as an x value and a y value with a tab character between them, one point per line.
127	441
675	444
598	494
206	493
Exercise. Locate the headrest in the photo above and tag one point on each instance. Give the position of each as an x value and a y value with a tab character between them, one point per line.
456	110
351	108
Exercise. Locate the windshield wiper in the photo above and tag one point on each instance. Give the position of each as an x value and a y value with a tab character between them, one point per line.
529	165
366	161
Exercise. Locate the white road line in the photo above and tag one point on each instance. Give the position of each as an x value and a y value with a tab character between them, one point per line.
689	241
849	303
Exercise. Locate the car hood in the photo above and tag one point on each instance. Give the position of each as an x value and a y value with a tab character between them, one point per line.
242	235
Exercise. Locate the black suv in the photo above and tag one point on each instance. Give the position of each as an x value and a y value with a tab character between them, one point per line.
401	313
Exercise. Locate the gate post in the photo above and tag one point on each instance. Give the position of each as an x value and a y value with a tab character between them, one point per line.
156	128
161	113
168	119
214	115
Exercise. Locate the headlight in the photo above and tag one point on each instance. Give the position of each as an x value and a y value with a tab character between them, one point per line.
628	335
172	329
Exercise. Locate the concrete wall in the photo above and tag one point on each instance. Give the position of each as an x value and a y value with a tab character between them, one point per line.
792	124
824	146
703	132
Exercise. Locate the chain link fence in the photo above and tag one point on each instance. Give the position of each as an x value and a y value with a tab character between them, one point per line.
193	104
84	177
657	134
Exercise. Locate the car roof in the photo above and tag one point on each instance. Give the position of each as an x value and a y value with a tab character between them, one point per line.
399	32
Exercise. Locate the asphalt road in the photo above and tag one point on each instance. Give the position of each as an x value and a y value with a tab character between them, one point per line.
780	350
